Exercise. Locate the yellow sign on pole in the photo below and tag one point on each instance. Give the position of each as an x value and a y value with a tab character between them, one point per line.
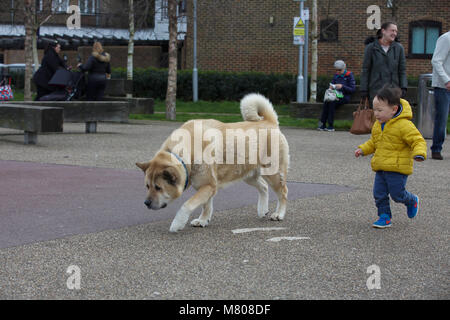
299	27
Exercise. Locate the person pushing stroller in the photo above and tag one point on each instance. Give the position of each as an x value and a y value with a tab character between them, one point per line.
51	62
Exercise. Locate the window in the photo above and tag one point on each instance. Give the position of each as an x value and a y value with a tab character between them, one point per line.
329	30
39	5
87	6
164	10
181	9
422	38
60	5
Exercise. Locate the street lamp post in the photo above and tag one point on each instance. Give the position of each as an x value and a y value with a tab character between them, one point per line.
194	69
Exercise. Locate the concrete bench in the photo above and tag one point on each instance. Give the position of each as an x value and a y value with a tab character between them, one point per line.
343	112
118	87
89	112
31	119
117	90
135	105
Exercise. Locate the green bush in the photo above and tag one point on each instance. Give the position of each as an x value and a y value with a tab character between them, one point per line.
212	85
230	86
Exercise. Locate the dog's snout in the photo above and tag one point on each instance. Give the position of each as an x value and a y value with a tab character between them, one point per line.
148	203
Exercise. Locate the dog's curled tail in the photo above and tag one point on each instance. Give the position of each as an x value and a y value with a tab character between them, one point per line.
256	107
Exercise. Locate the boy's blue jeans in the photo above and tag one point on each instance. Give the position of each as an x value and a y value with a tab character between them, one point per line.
441	101
390	183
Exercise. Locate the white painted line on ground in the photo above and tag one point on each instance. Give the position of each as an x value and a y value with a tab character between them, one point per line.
235	231
278	239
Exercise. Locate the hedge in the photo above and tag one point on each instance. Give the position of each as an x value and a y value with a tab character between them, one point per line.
218	86
215	85
212	85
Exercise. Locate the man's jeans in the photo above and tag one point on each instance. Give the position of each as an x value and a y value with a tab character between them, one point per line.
441	101
390	183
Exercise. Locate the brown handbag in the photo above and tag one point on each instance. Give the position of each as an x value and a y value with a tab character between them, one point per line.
363	119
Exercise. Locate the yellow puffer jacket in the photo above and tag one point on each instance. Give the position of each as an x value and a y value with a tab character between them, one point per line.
397	144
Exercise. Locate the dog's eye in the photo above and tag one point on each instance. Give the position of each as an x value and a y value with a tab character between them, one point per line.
157	188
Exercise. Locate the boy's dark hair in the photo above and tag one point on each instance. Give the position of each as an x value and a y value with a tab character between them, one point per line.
390	94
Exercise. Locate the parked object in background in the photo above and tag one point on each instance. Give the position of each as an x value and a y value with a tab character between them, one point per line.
6	93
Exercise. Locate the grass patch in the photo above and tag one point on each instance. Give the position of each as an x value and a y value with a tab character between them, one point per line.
188	110
18	95
284	121
211	107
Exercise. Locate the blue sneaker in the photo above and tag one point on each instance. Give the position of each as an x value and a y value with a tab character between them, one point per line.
383	222
414	209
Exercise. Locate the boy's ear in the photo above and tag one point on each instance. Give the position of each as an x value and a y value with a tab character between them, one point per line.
143	165
396	108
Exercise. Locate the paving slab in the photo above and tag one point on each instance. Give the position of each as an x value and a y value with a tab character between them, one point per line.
323	249
41	201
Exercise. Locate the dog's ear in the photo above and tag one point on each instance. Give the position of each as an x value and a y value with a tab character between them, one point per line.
170	175
143	165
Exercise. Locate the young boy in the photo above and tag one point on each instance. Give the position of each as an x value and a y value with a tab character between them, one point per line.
396	142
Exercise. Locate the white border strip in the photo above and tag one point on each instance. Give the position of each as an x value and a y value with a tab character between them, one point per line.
278	239
235	231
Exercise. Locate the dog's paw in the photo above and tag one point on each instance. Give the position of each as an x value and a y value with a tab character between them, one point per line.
276	217
199	223
263	213
175	227
263	210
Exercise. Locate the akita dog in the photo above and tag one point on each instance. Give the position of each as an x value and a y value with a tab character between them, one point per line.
254	151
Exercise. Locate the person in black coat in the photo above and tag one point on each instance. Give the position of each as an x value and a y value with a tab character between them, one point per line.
99	69
50	63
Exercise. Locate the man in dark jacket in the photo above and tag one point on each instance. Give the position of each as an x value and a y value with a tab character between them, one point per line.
98	68
384	62
50	63
344	82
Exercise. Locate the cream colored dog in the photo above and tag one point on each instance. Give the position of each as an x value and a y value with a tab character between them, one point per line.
210	155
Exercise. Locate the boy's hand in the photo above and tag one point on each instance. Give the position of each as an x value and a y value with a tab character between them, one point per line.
358	152
419	158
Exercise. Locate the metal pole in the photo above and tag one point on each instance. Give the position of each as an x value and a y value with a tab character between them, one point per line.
194	70
305	65
300	79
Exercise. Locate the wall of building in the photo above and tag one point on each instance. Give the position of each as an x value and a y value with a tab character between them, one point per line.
237	36
144	56
113	14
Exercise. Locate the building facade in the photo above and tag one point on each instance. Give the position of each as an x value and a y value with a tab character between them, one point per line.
257	35
100	20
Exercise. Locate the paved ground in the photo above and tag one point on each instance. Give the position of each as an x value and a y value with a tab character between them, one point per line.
87	177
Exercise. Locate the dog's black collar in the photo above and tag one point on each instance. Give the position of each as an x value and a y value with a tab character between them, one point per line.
185	169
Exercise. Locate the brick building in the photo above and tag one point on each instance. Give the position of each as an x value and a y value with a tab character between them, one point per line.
256	35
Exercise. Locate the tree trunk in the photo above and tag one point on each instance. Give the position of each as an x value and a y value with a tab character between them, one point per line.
130	44
29	12
314	52
35	50
171	95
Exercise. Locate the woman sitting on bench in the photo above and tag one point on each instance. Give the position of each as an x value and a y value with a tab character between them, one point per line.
344	83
